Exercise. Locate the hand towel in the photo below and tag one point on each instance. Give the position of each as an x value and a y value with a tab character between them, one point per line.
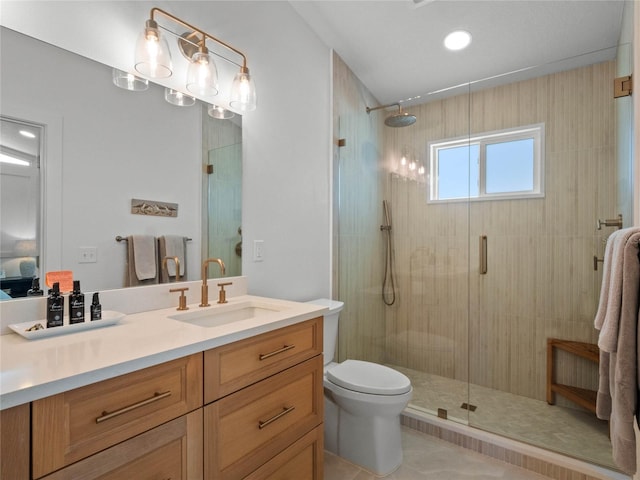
141	260
172	246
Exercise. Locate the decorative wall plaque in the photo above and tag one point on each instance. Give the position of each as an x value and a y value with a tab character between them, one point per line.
152	207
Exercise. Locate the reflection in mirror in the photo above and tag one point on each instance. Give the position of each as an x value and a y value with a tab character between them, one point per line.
20	155
222	191
115	146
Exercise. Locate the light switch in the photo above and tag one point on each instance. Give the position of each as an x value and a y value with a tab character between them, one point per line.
258	250
87	255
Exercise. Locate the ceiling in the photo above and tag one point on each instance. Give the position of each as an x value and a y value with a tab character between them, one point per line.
395	47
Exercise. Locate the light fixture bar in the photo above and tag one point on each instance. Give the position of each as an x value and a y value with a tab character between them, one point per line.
153	59
201	32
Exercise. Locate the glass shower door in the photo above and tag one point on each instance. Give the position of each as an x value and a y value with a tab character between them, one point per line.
540	283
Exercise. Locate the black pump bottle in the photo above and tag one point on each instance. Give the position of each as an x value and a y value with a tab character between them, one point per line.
55	307
76	304
96	308
35	290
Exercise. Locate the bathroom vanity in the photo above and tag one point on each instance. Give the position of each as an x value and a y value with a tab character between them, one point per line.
229	400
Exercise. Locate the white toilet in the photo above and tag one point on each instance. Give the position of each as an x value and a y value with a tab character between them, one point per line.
363	402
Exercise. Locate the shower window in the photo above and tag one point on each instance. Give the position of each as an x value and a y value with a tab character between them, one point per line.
497	165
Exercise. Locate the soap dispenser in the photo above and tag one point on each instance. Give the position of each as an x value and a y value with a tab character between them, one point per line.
96	308
55	307
76	304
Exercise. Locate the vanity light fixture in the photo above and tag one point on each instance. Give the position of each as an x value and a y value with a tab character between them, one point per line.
174	97
220	113
153	59
458	40
129	81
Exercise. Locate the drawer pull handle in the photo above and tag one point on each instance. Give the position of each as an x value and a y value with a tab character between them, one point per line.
264	356
156	396
285	410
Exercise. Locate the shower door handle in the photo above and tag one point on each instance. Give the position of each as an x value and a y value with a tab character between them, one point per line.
483	255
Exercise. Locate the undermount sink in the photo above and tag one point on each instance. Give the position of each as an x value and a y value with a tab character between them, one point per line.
221	315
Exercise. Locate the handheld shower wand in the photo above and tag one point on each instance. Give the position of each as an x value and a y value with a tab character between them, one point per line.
388	298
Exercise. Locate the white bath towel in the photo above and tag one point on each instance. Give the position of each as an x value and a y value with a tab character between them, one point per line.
617	319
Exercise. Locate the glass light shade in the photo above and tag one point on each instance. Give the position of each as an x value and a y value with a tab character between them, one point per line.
202	75
243	92
220	113
174	97
128	81
153	57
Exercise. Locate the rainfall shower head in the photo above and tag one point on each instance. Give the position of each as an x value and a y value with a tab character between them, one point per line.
398	119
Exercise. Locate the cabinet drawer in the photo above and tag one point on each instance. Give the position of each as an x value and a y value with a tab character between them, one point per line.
232	367
172	450
301	461
244	430
73	425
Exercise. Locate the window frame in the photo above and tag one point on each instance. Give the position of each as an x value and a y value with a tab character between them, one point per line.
535	132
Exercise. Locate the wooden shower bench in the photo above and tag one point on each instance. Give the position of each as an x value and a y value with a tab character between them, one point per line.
583	397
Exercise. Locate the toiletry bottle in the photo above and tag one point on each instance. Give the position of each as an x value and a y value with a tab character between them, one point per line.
55	307
96	308
35	290
76	304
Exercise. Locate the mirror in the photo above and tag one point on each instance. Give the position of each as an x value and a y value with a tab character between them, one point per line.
20	229
104	147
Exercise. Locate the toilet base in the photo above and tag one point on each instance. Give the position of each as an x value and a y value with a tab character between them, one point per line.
373	443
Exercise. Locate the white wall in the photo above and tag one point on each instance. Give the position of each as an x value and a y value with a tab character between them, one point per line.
286	141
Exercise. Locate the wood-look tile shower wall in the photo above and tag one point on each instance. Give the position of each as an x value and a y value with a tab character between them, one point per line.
492	329
358	190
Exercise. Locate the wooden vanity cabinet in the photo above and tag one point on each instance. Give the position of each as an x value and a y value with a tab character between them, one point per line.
172	450
251	409
14	442
78	423
277	402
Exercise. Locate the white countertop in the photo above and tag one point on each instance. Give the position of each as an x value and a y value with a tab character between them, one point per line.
33	369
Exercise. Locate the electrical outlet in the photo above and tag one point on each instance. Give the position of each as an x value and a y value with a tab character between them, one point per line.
258	250
87	255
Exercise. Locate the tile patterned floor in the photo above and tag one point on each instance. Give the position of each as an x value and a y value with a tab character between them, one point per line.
428	458
568	431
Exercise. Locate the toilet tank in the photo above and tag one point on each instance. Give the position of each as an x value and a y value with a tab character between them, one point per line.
330	326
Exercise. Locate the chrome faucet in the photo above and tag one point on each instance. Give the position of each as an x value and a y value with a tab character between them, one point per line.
204	301
164	266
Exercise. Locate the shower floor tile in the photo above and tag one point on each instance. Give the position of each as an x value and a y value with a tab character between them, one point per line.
568	431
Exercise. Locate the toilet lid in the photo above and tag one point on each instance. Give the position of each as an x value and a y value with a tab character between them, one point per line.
367	377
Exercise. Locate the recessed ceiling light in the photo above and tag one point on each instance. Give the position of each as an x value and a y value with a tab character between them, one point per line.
27	134
457	40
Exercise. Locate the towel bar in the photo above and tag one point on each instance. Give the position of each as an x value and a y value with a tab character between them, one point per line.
124	239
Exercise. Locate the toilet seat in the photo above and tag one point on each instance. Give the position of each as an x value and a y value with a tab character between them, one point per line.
367	377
